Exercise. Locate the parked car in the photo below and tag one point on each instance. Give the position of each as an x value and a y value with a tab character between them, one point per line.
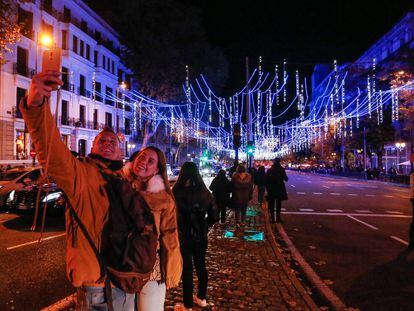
15	179
172	178
23	200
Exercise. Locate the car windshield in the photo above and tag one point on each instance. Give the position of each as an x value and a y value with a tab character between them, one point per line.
10	175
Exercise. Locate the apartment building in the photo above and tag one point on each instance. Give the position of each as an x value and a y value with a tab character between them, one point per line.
97	86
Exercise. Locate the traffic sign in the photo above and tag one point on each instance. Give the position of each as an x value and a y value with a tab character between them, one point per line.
33	153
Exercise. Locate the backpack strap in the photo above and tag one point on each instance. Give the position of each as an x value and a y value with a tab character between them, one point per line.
108	289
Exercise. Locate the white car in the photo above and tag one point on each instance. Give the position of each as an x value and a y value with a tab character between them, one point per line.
15	179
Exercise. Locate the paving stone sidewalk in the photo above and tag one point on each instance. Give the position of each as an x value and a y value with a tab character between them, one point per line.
247	275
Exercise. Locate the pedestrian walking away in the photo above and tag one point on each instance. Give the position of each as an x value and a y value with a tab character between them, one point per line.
194	202
241	194
260	182
96	193
221	188
148	176
276	189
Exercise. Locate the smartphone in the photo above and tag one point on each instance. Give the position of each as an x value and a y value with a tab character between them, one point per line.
52	60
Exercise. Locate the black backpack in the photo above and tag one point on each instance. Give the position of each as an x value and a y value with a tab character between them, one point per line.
129	238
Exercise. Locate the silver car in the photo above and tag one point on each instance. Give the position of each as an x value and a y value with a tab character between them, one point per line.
15	179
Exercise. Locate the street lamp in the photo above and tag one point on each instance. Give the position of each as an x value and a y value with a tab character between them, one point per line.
43	40
400	145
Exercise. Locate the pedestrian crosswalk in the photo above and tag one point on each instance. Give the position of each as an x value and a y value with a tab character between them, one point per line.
352	194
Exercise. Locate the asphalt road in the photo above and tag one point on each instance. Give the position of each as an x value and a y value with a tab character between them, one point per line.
353	233
32	275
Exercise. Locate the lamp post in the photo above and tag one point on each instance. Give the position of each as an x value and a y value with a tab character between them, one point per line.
400	146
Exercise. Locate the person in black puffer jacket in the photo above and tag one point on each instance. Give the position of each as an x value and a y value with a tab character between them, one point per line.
221	188
194	202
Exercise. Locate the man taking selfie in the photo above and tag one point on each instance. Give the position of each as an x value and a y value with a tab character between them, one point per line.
83	182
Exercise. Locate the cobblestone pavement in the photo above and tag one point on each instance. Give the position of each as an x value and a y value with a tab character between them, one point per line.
247	275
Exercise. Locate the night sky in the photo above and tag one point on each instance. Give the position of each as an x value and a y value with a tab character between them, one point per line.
303	32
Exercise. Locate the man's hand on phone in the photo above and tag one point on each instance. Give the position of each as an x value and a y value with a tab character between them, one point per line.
39	88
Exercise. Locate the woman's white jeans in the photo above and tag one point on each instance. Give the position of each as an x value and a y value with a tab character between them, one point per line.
152	297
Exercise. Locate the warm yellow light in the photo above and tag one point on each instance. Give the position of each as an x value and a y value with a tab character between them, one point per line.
123	85
46	40
401	72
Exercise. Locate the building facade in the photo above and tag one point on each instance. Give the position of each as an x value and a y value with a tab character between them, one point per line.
96	86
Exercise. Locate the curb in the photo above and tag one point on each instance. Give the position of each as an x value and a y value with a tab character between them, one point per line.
63	304
295	282
324	290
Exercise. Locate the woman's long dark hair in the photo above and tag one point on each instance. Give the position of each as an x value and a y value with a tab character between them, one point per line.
190	172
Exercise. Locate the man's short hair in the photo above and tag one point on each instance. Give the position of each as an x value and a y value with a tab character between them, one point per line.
108	129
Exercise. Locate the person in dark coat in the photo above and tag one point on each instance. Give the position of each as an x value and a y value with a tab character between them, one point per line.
221	188
276	189
194	202
260	182
242	191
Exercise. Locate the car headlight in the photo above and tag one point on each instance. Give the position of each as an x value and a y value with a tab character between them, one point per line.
52	197
10	197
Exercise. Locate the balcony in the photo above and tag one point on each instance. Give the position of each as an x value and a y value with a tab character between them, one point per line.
109	102
23	70
76	122
84	92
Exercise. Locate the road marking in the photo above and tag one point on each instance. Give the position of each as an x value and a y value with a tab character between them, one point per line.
353	194
335	193
370	195
346	214
399	240
363	211
318	193
34	242
300	192
394	212
306	210
335	210
388	196
362	222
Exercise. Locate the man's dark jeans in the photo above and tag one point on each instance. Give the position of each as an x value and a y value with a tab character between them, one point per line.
194	251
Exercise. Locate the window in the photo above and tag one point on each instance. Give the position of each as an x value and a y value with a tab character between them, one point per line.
113	67
47	29
82	147
64	40
84	26
95	58
22	59
25	18
66	15
65	139
75	44
98	36
47	5
109	96
65	117
65	78
103	61
98	90
108	65
82	115
82	88
81	48
95	119
127	126
120	76
108	119
20	93
88	52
